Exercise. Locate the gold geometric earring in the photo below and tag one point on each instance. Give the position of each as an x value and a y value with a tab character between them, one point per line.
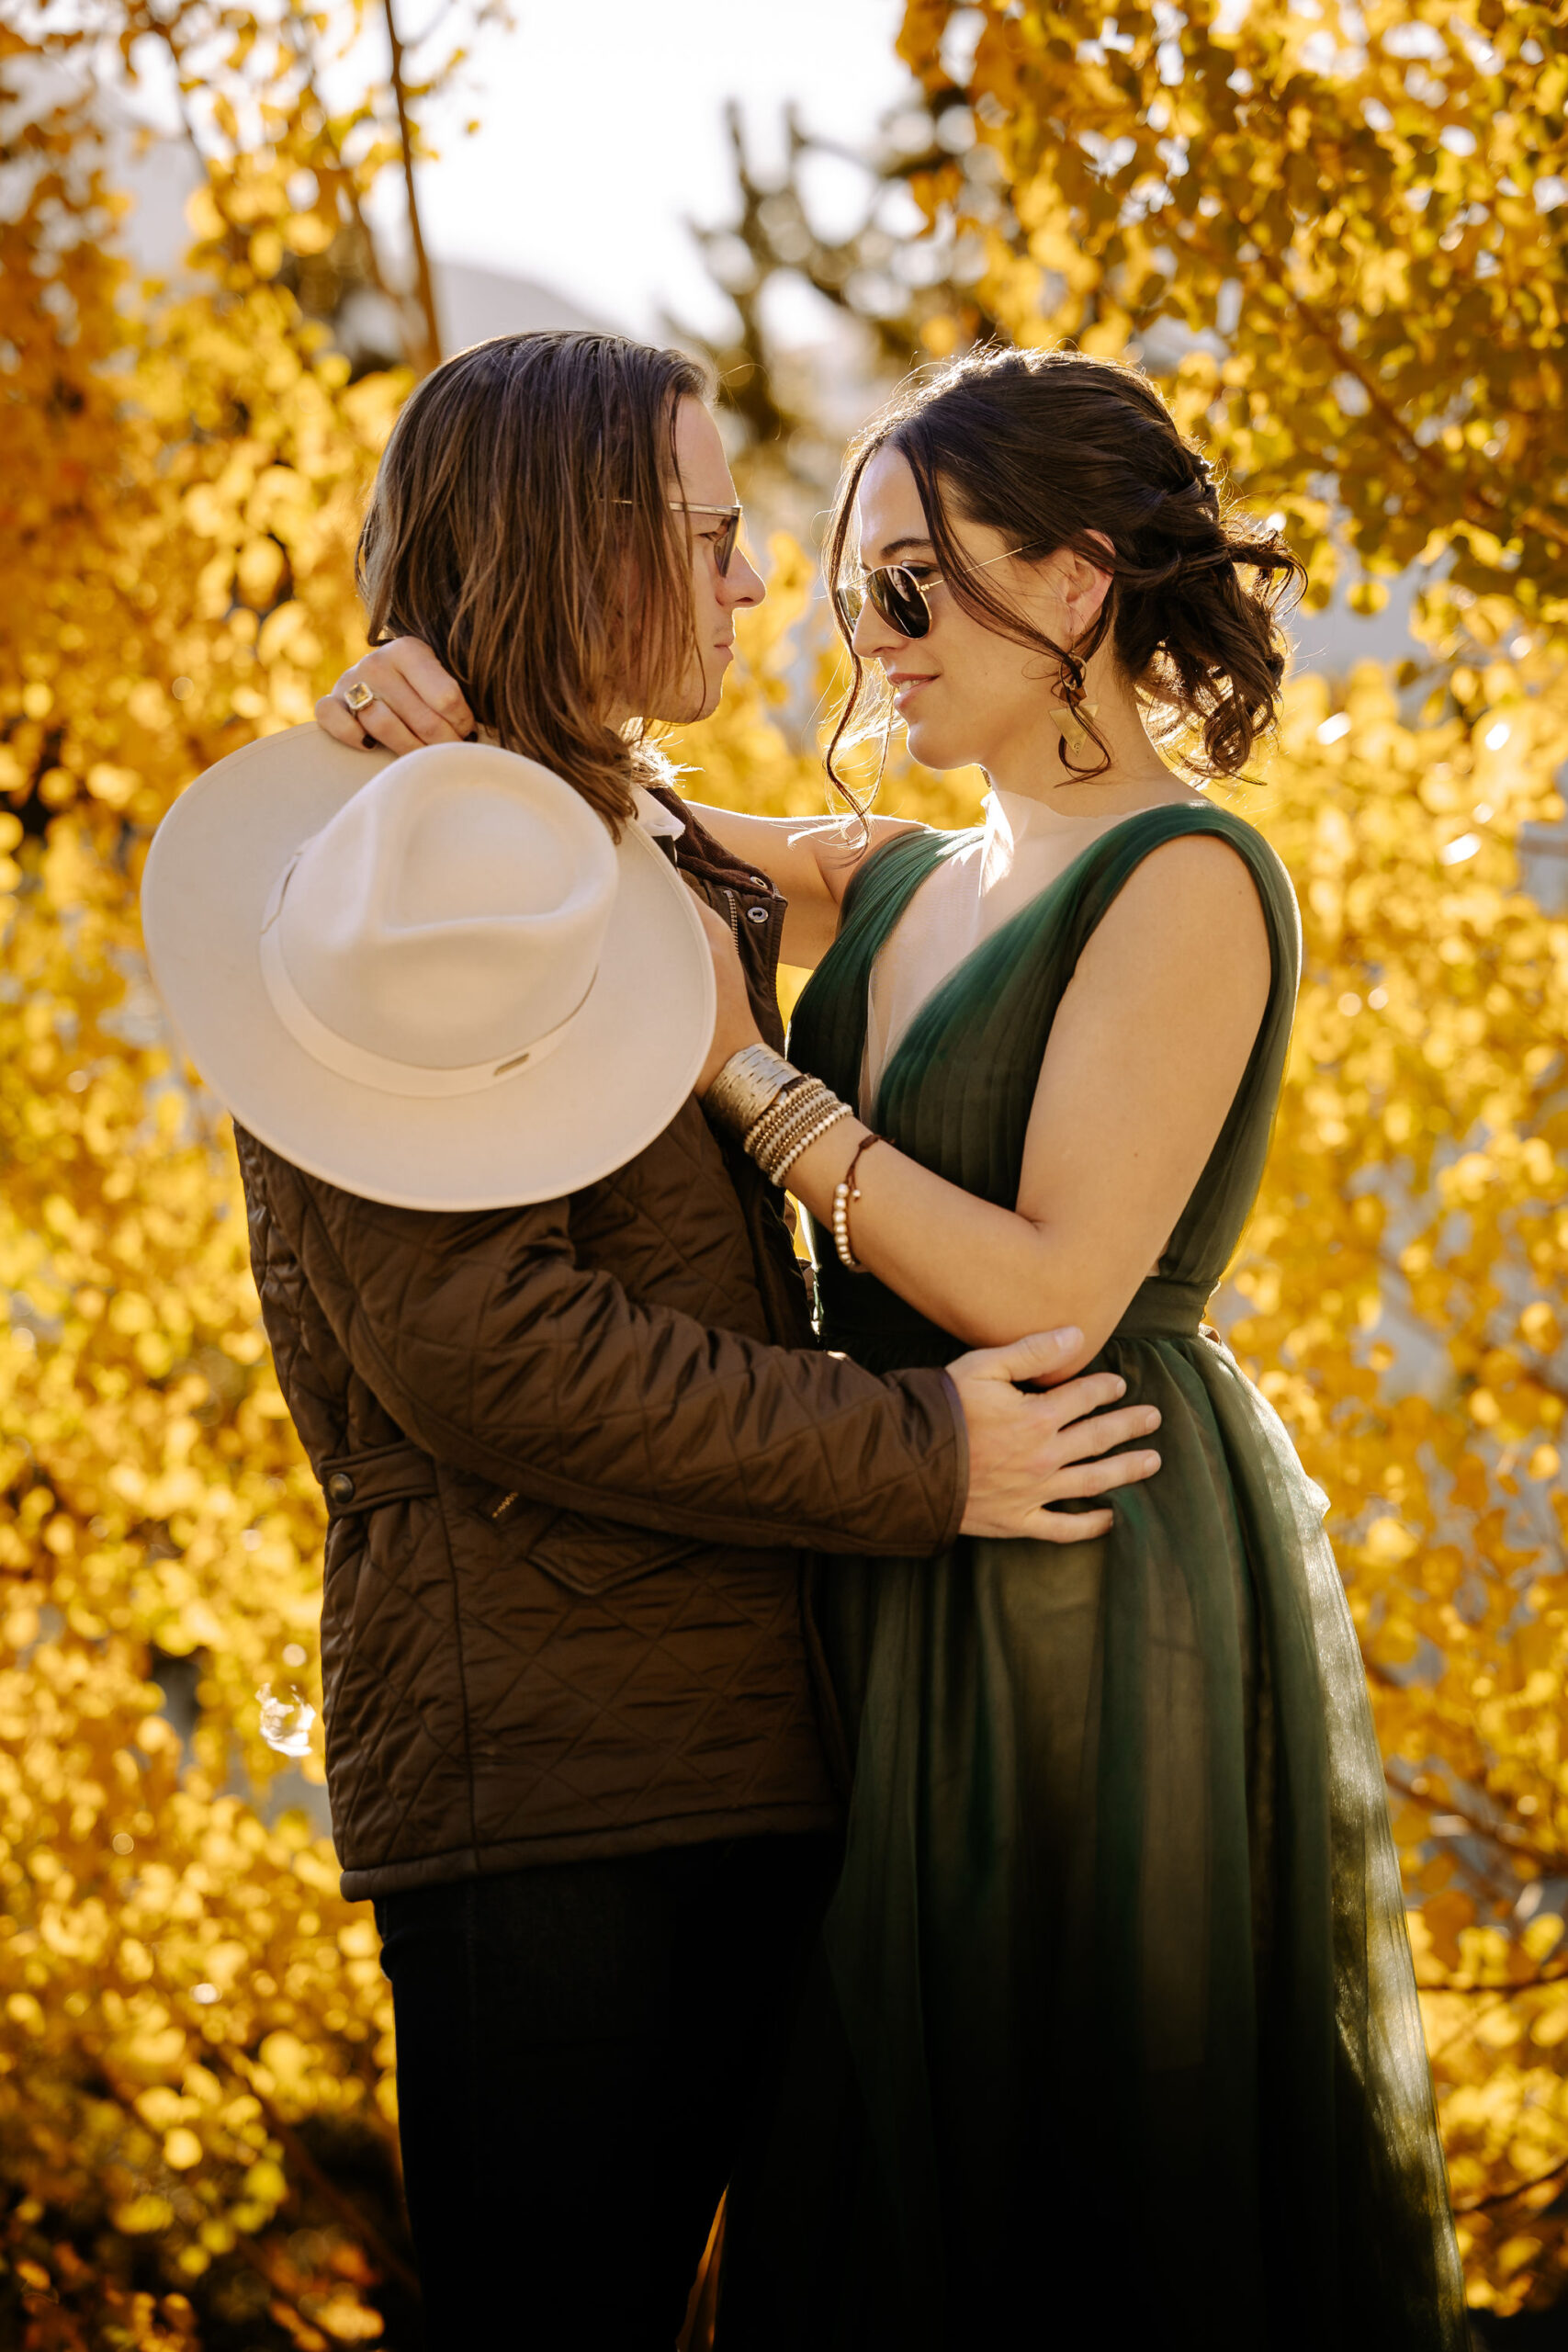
1075	735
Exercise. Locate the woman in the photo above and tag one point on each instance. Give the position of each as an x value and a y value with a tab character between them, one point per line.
1115	1985
1116	1978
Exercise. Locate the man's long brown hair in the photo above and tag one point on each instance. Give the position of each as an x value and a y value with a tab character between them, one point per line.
521	525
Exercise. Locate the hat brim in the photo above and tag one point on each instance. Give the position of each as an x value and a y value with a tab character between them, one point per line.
617	1078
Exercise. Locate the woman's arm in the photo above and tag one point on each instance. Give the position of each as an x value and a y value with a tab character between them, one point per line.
1149	1044
811	860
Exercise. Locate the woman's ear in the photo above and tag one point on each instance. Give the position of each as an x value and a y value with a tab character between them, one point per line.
1084	585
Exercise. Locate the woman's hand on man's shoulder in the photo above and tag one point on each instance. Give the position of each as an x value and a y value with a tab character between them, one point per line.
413	701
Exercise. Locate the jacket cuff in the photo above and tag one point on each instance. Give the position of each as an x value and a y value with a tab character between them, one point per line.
960	1460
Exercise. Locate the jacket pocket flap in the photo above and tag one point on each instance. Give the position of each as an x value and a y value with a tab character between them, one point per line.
592	1556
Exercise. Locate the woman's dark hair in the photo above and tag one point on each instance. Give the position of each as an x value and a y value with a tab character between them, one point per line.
521	525
1054	448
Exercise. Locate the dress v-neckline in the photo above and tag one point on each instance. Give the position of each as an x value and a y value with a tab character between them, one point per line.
942	853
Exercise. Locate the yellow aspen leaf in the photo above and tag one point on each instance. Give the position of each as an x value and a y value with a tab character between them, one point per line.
143	2216
1387	1543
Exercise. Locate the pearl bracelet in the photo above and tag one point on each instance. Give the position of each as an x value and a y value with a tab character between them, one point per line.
845	1190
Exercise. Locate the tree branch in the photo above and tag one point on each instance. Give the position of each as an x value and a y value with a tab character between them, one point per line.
1501	1833
1479	509
1507	2195
426	352
356	2220
348	2210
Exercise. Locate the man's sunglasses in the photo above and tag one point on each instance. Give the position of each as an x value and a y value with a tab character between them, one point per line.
894	592
723	543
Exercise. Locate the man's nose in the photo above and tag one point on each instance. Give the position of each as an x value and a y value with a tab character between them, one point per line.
741	584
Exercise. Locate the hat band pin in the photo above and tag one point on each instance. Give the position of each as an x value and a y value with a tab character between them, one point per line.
340	1054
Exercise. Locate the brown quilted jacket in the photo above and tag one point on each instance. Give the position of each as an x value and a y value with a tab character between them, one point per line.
572	1456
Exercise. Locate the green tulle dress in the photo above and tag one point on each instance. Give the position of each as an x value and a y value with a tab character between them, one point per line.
1112	2037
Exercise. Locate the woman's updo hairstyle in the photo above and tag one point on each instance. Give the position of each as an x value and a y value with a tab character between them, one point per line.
1056	449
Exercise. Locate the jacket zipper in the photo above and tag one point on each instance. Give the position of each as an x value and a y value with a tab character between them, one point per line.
734	904
775	947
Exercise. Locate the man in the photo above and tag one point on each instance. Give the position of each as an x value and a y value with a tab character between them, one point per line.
574	1451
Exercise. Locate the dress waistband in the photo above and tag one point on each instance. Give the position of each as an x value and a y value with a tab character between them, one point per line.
873	1325
1164	1309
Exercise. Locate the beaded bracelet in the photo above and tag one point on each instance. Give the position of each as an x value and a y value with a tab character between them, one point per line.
845	1190
773	1133
813	1134
783	1109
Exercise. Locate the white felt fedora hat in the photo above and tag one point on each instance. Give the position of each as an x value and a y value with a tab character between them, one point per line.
433	980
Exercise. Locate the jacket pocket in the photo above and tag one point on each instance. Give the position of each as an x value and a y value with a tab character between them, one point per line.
594	1555
584	1554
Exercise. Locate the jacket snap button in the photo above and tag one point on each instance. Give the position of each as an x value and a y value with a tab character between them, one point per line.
756	914
340	1488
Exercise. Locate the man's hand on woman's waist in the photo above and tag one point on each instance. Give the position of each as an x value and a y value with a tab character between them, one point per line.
1029	1449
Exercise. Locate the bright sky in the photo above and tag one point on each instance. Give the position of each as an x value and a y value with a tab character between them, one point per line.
602	129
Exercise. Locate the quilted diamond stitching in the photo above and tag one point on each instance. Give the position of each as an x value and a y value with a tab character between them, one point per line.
681	1693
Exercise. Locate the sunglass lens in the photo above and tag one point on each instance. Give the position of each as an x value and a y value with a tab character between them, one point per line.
724	546
900	601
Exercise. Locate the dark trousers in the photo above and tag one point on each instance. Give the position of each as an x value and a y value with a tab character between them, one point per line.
581	2050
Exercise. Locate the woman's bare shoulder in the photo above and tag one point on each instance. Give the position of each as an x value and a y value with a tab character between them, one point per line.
1192	901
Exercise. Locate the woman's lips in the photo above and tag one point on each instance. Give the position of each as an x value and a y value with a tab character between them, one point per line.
904	688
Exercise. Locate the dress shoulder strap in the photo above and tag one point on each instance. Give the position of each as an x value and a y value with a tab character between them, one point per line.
883	883
1093	883
827	1031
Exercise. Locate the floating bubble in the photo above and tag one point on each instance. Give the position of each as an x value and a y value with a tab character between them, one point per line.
285	1719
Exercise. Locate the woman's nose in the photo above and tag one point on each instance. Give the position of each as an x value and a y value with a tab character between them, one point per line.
871	637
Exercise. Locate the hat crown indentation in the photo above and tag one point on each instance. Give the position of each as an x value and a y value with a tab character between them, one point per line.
452	912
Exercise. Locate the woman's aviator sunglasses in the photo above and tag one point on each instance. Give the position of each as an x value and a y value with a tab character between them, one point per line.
723	542
894	592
